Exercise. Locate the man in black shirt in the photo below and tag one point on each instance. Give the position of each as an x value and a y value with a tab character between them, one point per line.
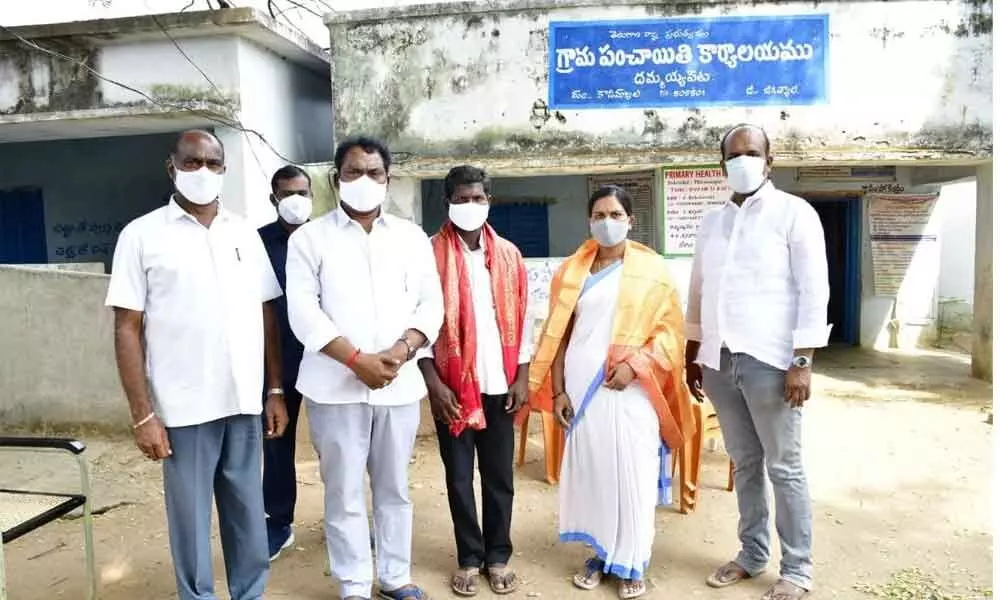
292	197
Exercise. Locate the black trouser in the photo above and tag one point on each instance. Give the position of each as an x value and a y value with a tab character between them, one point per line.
279	468
495	447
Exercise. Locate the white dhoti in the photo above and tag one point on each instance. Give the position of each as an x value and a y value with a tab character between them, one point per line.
611	475
351	439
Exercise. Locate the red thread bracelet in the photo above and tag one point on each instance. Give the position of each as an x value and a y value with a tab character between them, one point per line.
354	357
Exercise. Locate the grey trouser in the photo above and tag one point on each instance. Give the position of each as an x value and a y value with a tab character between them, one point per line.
221	457
761	430
352	439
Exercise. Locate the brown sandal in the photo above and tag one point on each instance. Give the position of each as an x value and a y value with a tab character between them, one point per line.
785	590
628	589
591	576
502	580
727	575
465	582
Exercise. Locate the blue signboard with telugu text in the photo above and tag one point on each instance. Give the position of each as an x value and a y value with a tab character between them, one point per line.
688	62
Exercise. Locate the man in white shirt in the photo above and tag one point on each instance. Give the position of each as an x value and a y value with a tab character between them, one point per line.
363	297
192	290
477	376
756	312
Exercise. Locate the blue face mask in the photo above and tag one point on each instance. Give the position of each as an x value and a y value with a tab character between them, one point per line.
610	232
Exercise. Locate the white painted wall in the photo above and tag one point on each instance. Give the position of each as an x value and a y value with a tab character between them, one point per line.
98	181
955	219
146	64
290	107
287	104
220	59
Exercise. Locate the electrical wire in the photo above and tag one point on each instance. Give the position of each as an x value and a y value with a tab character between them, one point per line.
208	115
281	12
218	91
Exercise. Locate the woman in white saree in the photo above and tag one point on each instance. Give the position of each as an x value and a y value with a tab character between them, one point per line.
611	355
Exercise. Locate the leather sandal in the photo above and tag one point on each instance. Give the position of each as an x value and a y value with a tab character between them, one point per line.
591	575
785	590
727	575
465	582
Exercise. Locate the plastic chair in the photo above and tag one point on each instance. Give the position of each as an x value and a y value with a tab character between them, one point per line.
689	459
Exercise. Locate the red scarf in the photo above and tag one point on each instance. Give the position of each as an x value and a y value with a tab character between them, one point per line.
455	349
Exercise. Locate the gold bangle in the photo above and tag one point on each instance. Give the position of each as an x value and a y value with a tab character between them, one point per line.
144	420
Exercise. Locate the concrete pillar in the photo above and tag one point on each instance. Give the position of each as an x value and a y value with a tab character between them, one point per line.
982	303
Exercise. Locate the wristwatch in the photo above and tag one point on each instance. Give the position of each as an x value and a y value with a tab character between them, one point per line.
410	350
802	362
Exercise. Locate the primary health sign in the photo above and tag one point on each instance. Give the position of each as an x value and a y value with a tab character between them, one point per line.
684	62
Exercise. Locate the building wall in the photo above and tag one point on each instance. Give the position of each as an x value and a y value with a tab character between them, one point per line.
290	107
442	81
567	195
948	292
60	371
287	104
174	78
90	188
226	78
294	14
955	218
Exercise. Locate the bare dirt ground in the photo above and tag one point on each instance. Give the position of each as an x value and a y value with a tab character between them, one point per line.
897	449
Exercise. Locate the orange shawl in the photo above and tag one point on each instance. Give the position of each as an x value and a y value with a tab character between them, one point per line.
647	334
455	349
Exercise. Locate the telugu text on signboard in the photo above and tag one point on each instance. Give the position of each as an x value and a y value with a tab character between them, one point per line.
685	62
688	192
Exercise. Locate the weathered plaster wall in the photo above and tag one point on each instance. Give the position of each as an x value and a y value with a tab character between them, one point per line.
57	361
34	82
907	79
174	79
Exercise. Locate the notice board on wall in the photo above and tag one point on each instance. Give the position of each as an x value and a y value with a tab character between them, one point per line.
905	251
640	186
688	193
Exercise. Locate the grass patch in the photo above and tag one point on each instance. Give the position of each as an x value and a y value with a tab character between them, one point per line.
914	584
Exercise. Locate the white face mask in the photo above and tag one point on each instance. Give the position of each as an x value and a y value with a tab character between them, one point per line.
746	173
364	194
469	216
295	209
200	187
610	232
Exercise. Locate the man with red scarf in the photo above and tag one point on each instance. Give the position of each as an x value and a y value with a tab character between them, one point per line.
477	376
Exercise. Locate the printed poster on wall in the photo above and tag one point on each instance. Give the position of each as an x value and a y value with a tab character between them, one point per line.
640	186
684	62
688	193
905	252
